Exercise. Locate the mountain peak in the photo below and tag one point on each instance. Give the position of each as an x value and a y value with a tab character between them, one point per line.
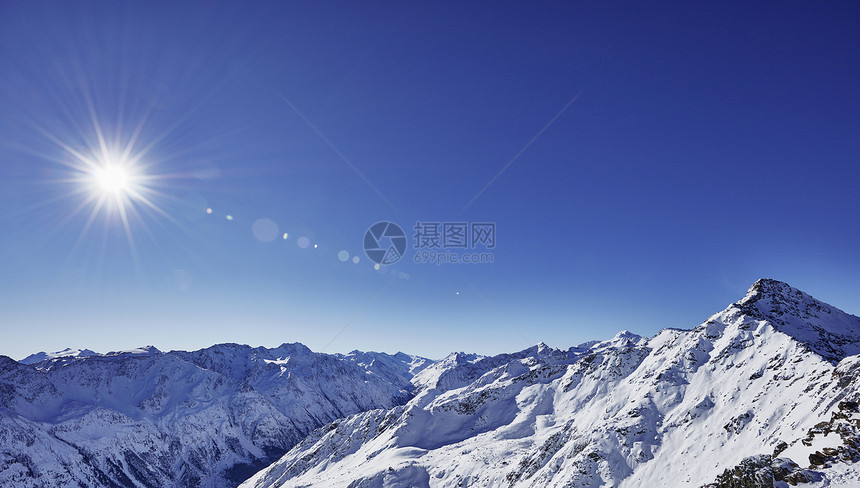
773	299
292	348
768	287
138	351
828	331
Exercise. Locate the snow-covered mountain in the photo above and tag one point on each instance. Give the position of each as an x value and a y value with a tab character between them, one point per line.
67	352
764	393
207	418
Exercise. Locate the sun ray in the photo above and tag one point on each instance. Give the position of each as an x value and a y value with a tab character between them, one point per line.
96	125
149	203
96	210
126	154
89	163
127	228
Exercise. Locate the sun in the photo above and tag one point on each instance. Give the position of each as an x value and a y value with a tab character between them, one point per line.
112	179
114	183
109	177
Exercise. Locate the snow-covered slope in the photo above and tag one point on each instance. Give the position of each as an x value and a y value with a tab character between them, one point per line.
204	418
765	390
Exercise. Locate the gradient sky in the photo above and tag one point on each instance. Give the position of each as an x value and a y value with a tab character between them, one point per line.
708	145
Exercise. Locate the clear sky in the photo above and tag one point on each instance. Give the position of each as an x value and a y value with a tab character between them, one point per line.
643	162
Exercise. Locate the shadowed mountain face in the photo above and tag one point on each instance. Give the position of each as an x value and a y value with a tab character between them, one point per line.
204	418
763	392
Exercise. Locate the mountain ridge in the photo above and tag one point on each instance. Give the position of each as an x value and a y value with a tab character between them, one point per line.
680	408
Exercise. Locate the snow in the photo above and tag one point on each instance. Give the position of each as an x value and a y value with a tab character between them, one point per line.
142	417
674	410
799	452
775	369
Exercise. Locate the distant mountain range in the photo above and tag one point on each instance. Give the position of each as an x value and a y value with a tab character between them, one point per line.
67	352
764	393
207	418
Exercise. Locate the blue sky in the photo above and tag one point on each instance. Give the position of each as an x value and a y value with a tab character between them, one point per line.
707	145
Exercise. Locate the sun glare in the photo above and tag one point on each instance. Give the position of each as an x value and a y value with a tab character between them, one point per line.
111	179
